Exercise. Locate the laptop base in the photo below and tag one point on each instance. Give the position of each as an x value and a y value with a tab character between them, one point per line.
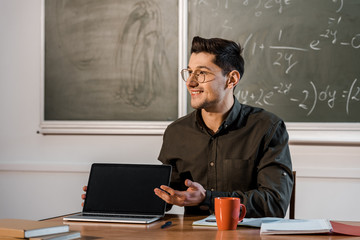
116	219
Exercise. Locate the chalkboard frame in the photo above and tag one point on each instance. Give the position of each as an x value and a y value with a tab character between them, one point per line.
300	132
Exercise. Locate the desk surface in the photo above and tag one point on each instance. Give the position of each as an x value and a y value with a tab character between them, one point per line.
180	229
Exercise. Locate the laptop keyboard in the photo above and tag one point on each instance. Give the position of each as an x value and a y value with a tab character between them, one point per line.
115	215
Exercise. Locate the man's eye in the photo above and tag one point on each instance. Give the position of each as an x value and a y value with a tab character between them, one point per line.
202	73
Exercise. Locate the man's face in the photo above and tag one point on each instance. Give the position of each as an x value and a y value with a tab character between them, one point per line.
210	95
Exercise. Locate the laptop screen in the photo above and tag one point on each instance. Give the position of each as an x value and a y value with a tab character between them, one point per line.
126	189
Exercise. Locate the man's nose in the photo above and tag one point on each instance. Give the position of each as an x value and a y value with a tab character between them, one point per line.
191	81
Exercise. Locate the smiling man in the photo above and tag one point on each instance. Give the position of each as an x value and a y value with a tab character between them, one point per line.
225	148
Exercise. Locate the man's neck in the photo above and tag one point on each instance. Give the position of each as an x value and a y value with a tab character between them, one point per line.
214	119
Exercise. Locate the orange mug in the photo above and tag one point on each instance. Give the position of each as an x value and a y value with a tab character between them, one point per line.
227	212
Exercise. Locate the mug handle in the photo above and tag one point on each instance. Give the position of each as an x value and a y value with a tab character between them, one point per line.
243	212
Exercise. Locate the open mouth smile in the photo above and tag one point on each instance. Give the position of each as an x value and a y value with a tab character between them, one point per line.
195	92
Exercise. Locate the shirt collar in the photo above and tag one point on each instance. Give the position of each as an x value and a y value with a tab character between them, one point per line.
232	117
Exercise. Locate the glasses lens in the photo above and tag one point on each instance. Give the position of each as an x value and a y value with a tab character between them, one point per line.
185	74
201	77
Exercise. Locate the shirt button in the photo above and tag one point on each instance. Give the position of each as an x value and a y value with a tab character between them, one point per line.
212	164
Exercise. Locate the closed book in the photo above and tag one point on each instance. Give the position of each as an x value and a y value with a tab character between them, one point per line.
21	228
59	236
309	226
296	226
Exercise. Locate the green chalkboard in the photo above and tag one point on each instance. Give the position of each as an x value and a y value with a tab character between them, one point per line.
302	57
110	60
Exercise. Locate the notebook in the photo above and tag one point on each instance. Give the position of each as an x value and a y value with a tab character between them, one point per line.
124	193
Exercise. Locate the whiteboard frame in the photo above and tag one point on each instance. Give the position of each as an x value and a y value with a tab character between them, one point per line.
300	133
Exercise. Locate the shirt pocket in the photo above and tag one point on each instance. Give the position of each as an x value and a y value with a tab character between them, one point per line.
239	174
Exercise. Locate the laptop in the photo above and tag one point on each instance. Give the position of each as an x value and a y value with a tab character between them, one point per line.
124	193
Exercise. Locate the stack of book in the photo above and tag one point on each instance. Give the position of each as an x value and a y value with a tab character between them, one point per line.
35	230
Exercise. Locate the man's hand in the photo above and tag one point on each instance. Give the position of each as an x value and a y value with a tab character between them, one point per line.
83	196
193	196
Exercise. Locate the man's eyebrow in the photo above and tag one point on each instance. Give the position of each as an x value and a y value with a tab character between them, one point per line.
198	67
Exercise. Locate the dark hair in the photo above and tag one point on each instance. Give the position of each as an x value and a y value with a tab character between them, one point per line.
227	53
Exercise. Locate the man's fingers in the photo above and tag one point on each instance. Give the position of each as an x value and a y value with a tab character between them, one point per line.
83	196
192	185
170	195
163	195
167	189
188	183
192	197
195	186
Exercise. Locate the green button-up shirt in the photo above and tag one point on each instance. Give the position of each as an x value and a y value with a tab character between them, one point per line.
248	157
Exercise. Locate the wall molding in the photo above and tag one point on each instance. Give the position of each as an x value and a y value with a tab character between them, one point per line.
46	167
339	134
339	173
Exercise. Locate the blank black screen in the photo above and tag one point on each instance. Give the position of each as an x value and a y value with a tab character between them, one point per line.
126	188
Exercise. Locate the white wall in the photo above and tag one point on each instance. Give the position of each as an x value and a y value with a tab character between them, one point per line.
41	176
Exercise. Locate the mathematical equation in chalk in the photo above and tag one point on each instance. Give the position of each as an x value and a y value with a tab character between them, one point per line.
305	99
304	54
262	5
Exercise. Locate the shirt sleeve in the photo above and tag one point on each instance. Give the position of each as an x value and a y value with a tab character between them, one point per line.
165	159
272	195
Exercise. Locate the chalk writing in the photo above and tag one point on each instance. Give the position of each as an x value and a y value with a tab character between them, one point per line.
307	100
138	66
263	5
301	57
331	32
341	4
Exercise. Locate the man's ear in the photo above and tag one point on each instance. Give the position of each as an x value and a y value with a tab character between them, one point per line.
233	79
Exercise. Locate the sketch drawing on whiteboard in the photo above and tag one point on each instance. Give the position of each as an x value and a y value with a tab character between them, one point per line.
140	56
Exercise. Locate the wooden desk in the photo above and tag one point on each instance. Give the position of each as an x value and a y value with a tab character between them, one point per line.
181	229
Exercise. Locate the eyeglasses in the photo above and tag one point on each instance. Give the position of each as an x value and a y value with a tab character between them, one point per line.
199	76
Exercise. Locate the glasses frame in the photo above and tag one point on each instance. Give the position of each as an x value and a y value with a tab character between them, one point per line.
196	75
